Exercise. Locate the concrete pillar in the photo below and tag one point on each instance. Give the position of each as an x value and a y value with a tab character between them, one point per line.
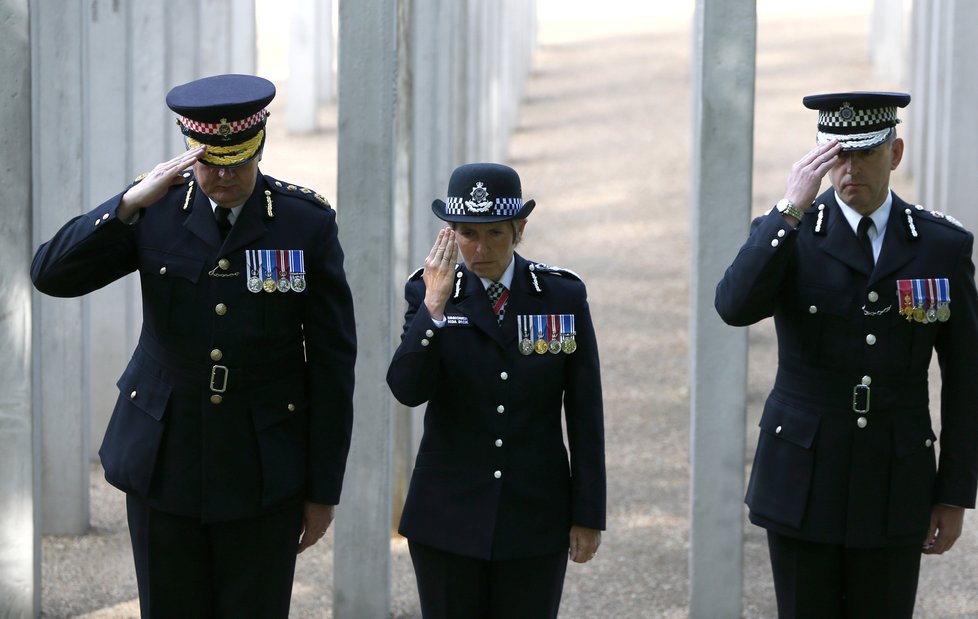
326	51
916	115
305	74
20	547
722	155
887	40
242	36
60	393
370	207
955	183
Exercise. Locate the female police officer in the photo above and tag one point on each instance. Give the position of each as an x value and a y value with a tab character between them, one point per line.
496	346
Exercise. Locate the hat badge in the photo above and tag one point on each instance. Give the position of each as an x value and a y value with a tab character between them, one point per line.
224	128
480	202
846	112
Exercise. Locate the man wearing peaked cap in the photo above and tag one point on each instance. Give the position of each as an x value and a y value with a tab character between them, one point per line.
232	426
499	347
863	288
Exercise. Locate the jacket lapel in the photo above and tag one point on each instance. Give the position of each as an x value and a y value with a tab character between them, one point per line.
248	227
201	222
840	241
475	304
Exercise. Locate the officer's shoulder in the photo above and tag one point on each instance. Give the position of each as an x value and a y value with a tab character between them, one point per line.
937	219
549	270
291	190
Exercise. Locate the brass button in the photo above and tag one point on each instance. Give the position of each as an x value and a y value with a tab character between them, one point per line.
224	263
873	296
291	407
862	422
162	270
221	309
133	395
216	399
216	354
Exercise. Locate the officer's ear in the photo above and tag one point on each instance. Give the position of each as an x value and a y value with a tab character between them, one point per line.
896	153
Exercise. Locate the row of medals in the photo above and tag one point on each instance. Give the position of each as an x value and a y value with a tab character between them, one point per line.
932	314
565	344
296	283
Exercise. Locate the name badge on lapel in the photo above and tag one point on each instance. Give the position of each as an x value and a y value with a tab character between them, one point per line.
925	300
275	270
543	333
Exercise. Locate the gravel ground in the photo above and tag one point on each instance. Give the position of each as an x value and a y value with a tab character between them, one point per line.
603	146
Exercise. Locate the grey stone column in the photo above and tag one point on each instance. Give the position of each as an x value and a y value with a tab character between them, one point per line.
305	72
372	227
888	40
61	374
20	548
722	147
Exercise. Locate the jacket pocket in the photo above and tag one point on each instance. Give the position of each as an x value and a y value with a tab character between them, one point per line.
280	418
132	438
913	469
783	463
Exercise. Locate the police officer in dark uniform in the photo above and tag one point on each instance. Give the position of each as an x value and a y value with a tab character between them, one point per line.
863	288
232	426
498	347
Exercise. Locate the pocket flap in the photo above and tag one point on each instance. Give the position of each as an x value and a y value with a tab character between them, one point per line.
281	401
172	265
144	391
912	436
789	423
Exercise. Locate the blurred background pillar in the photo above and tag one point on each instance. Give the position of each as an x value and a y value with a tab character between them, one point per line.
725	33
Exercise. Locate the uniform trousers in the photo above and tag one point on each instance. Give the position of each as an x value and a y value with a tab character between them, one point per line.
189	569
452	586
819	581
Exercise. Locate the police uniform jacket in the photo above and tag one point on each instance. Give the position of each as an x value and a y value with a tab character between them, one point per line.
846	453
492	478
233	401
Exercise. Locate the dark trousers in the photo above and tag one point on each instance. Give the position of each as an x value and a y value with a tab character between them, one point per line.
820	581
187	569
452	586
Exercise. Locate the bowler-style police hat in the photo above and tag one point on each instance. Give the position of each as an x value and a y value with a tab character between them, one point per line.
858	120
225	112
483	193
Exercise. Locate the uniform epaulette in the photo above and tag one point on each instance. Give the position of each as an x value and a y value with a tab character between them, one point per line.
416	274
539	267
938	217
289	189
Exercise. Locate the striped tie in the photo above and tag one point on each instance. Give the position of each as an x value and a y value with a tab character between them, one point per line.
498	294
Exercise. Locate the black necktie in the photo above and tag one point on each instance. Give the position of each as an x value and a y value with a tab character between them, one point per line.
497	298
862	233
221	214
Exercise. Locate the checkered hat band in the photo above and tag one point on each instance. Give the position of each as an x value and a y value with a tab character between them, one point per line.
501	206
235	126
851	118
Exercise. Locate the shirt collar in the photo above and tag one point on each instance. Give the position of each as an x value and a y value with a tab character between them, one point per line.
880	216
232	216
506	279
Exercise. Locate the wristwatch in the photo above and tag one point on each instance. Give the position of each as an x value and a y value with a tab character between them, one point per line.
787	207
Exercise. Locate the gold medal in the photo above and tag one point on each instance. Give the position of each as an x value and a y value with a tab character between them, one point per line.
943	312
541	347
269	285
919	315
569	345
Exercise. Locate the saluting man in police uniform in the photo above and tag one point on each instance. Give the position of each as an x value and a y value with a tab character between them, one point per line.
863	287
498	347
232	426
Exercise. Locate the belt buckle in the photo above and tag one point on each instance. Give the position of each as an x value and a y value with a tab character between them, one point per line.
219	372
860	398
